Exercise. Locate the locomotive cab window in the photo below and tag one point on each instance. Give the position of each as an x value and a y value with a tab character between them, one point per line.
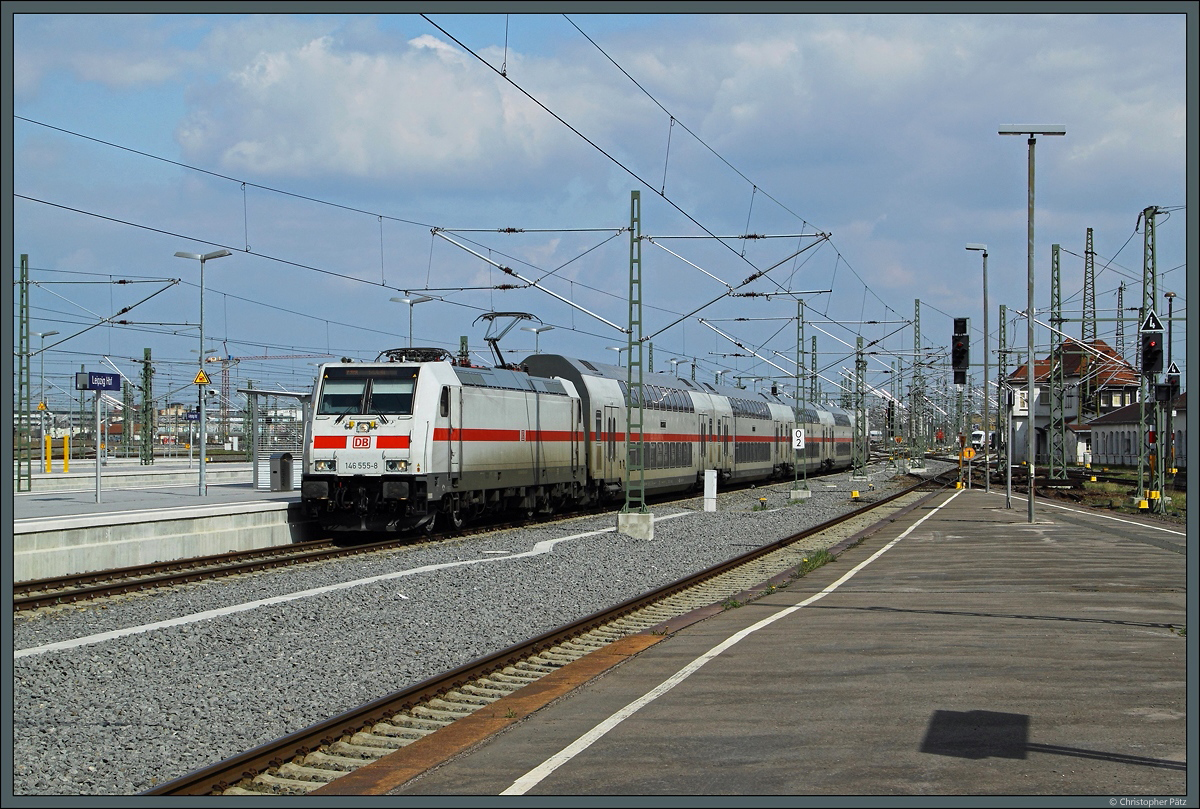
392	396
341	396
365	389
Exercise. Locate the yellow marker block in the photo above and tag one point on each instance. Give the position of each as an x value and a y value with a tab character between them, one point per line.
854	495
1142	504
1093	478
1153	495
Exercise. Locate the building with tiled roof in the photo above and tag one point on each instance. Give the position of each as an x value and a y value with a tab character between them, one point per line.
1096	381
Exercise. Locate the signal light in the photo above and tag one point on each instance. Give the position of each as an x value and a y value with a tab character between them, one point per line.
1152	353
960	354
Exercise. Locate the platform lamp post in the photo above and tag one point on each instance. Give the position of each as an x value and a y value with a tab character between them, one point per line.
42	392
411	300
201	257
537	334
1170	459
987	433
618	349
1030	433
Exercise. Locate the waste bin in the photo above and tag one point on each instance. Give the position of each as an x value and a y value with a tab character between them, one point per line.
281	472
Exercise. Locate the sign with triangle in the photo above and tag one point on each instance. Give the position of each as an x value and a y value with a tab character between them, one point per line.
1151	323
1174	369
201	378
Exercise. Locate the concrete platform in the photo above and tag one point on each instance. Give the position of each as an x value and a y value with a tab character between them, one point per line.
146	514
960	650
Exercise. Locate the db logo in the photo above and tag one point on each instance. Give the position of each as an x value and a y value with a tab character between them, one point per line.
362	442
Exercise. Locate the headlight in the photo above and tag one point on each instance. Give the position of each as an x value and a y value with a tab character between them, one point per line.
397	466
329	465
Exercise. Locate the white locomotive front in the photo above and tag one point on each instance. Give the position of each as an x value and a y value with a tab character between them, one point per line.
395	445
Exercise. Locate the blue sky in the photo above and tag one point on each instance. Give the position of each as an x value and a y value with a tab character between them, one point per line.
323	149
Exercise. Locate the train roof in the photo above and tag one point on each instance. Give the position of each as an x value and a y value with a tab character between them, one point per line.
573	368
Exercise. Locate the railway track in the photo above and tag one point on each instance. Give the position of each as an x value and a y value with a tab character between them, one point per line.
313	757
57	591
41	593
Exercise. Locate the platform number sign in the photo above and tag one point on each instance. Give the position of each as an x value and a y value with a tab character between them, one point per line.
797	439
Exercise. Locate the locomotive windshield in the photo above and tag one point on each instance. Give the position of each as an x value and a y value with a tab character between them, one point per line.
339	397
365	390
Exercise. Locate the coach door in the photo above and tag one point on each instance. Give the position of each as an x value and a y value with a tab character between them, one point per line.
726	444
610	442
576	416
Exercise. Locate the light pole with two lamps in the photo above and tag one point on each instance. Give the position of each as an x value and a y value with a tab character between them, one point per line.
411	300
201	257
537	334
1031	431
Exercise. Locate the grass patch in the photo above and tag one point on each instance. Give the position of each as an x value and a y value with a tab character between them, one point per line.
815	560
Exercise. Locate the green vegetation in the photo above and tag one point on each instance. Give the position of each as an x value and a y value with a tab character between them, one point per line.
815	560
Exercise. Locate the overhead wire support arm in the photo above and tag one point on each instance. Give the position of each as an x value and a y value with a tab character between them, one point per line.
731	289
743	346
113	318
529	282
744	236
621	229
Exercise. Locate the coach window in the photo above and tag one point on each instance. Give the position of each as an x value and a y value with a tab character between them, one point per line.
445	402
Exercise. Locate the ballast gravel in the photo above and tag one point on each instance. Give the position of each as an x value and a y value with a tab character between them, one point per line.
122	714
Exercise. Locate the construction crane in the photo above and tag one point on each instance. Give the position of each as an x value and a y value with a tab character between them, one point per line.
229	361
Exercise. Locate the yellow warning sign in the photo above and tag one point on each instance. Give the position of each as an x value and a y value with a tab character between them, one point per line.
968	454
41	406
201	378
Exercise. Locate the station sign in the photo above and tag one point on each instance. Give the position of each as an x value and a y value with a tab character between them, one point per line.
97	380
191	415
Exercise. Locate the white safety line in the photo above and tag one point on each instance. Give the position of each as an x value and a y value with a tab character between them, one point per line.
540	772
1043	502
545	546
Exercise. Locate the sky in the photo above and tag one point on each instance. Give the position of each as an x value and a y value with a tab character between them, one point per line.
346	159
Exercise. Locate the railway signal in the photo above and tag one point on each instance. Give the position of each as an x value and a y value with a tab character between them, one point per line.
1152	353
960	354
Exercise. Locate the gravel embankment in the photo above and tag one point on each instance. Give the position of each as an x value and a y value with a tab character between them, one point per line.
121	714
